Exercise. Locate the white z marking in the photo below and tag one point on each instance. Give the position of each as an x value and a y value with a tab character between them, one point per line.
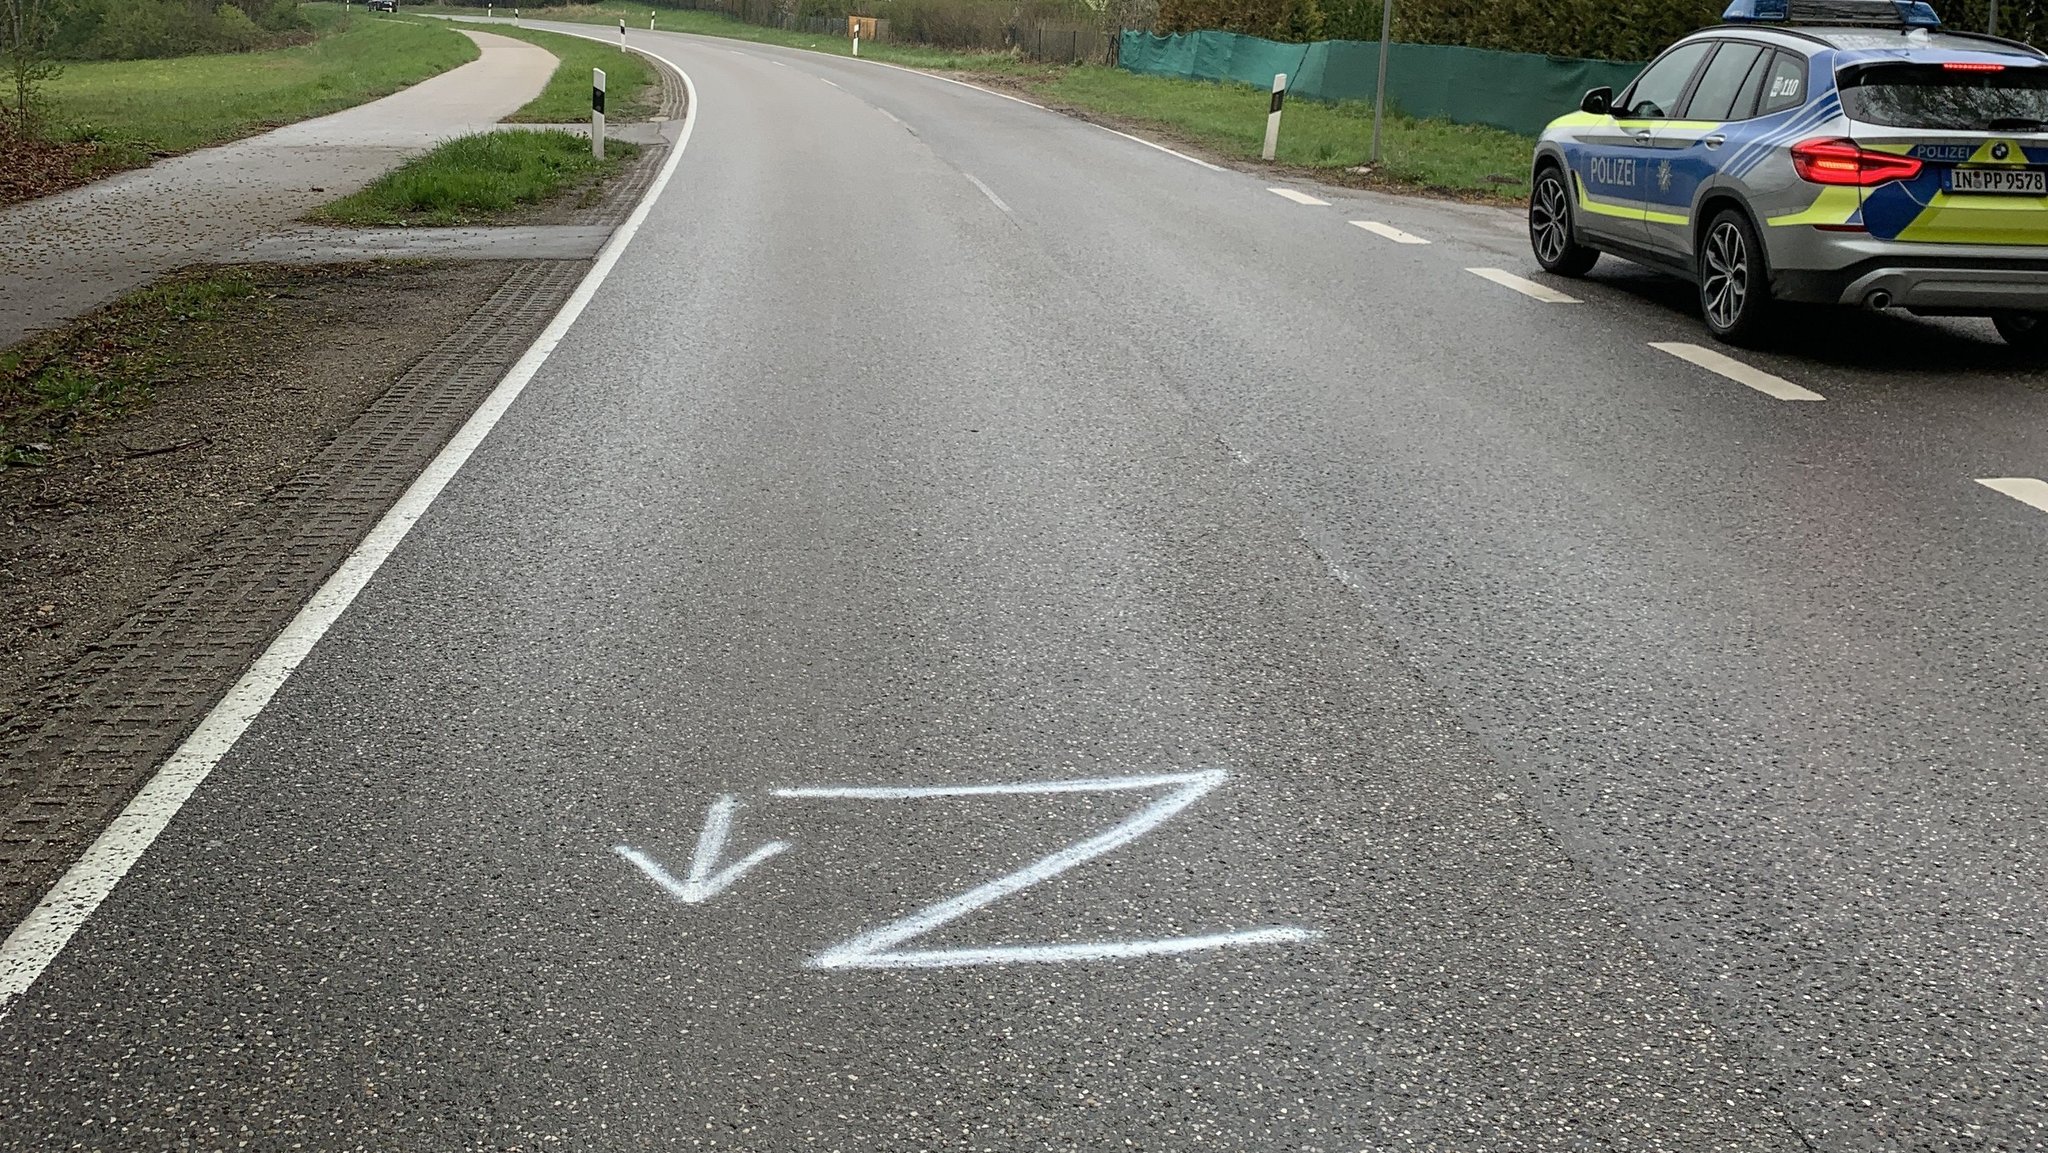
702	884
876	948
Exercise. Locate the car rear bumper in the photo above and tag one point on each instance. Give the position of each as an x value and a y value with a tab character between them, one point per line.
1919	280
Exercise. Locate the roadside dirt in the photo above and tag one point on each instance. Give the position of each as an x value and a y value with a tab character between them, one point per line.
30	168
238	405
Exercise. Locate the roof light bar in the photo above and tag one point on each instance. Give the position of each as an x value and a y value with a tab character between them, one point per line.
1866	13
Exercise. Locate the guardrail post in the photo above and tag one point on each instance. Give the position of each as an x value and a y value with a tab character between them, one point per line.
1273	116
597	113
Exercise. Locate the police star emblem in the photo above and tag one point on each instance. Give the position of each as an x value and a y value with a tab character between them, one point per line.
1664	176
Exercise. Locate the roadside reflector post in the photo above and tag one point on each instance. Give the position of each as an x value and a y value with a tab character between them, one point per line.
856	40
1273	115
622	33
597	113
487	11
1379	96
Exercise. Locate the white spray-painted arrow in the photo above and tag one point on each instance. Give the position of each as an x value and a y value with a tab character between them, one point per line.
702	884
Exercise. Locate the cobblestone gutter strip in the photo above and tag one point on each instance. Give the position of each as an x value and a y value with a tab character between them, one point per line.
151	681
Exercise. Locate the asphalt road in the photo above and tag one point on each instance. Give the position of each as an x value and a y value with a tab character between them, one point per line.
1602	754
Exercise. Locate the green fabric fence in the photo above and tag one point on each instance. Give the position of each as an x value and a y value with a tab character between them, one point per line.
1512	90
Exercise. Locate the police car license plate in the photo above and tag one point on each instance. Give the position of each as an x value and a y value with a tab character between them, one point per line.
2019	181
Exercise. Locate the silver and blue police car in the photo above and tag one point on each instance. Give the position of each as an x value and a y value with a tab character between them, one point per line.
1834	151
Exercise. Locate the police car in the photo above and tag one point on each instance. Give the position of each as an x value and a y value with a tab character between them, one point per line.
1836	151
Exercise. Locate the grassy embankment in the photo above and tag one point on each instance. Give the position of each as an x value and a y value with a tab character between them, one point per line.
479	179
492	175
1226	121
51	383
133	111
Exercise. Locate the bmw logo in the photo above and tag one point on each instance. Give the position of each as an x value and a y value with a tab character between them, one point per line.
2000	151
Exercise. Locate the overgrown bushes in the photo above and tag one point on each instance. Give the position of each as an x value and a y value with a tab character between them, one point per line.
145	29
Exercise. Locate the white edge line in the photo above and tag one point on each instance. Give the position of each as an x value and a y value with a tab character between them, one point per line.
987	191
1721	364
2025	489
1151	144
1528	288
37	940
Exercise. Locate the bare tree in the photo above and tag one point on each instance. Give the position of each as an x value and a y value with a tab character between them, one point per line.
24	54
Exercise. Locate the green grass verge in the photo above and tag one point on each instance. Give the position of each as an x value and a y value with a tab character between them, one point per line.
479	178
133	110
51	384
1222	119
719	24
632	89
1231	119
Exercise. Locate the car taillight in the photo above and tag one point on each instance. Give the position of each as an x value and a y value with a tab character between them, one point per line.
1970	66
1842	162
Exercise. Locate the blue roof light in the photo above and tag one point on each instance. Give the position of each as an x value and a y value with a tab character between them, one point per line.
1881	13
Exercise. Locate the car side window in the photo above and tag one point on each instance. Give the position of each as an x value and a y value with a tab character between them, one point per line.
1713	98
1784	83
1656	93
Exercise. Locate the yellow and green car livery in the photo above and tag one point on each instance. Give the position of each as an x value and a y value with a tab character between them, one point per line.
1868	159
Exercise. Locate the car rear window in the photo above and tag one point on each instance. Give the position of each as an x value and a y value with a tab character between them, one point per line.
2010	99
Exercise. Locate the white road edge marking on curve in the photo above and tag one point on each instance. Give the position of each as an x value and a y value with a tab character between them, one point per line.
1735	370
1389	231
1158	146
2025	489
1298	197
987	191
875	948
34	943
1528	288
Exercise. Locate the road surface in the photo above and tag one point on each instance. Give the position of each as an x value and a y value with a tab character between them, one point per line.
988	635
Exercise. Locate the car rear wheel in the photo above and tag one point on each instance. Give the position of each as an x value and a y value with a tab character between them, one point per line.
1550	227
2026	331
1735	286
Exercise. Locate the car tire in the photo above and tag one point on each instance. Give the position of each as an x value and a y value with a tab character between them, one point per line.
2024	331
1551	235
1734	281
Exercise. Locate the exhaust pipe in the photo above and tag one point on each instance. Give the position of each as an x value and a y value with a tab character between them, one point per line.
1878	301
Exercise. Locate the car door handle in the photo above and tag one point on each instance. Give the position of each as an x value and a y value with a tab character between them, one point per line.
1642	135
1715	141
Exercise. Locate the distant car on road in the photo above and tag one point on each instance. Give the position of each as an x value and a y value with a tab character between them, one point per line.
1833	151
383	5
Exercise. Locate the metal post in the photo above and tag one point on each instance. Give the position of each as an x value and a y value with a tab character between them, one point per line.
597	113
1379	99
1994	17
1273	115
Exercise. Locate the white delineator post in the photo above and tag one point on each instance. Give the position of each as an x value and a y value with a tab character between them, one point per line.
622	33
597	113
650	19
1379	96
1273	116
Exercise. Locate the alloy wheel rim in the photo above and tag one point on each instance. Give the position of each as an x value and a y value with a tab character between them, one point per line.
1726	284
1546	220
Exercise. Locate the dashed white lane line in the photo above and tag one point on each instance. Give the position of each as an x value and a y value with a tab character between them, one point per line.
986	191
1389	231
2025	489
823	80
778	63
1735	370
1298	197
1528	288
889	114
